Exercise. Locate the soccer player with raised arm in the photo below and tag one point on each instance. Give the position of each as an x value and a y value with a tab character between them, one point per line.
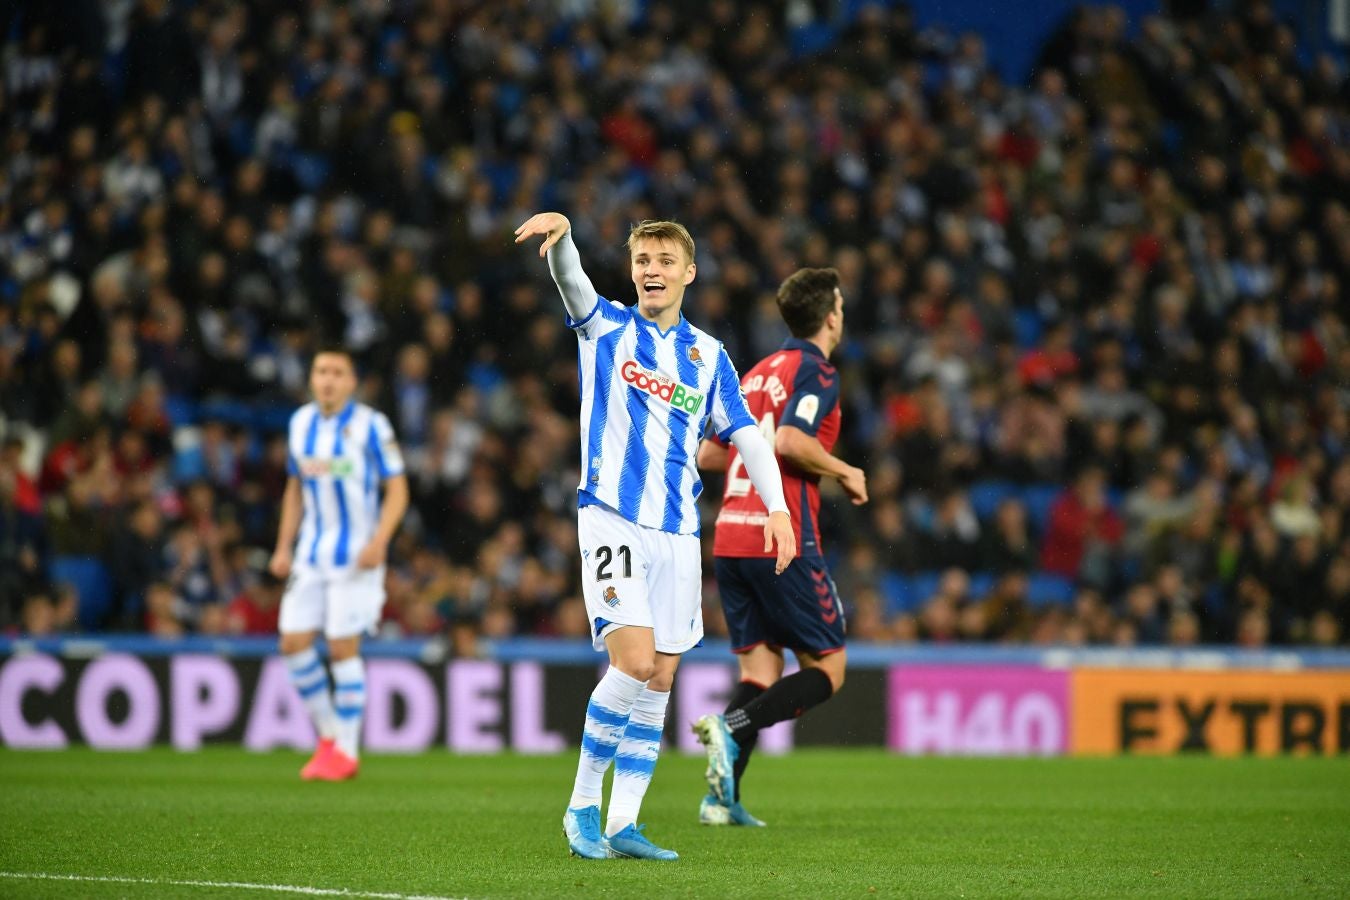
651	384
794	396
331	545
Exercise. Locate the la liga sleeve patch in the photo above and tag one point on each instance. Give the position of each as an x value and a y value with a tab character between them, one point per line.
808	408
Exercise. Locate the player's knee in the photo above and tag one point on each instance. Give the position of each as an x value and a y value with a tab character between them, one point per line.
637	669
295	643
661	682
832	667
343	648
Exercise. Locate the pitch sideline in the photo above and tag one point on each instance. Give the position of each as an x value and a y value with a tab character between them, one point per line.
236	885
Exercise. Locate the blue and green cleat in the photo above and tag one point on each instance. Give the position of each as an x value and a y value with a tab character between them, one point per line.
581	827
723	750
713	812
631	843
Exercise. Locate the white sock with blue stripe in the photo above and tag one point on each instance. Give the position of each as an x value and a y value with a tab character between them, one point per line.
311	682
635	760
349	700
606	719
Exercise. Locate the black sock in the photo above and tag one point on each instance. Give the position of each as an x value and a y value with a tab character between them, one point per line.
742	694
787	699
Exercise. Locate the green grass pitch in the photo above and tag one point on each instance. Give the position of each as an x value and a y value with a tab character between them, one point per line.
847	823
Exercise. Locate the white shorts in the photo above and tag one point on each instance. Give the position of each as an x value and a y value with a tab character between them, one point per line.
631	575
341	603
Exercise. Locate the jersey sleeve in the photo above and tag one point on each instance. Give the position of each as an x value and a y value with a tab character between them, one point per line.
728	411
383	447
603	318
815	394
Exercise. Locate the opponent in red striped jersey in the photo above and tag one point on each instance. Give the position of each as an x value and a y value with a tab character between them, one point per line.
797	388
794	396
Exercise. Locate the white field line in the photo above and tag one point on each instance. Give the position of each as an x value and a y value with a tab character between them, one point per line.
235	885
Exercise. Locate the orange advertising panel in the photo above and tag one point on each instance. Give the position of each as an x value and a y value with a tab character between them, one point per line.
1223	713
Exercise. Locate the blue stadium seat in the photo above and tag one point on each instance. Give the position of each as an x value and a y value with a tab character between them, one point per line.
232	412
924	585
92	583
987	496
1045	589
895	590
181	409
981	583
804	40
1038	499
310	169
1027	328
189	464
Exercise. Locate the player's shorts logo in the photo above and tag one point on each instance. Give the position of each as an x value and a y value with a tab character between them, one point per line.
611	596
661	387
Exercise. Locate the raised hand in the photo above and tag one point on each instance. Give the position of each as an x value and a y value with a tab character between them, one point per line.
550	224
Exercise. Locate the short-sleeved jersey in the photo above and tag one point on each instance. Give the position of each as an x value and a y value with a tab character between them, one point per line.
796	386
647	399
340	461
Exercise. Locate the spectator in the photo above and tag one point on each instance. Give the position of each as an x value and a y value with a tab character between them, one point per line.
1117	269
1084	531
254	611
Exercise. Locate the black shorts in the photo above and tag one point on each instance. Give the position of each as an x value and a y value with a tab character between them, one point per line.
799	610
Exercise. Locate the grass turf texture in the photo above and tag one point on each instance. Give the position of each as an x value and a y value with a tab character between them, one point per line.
841	823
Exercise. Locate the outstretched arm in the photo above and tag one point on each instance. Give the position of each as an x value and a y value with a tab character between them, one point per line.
564	263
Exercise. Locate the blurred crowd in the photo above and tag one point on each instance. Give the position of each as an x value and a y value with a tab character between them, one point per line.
1122	288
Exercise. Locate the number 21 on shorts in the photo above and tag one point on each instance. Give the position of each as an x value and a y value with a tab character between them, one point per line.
604	558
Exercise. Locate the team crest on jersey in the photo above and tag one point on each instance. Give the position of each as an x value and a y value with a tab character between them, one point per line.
695	357
662	388
611	597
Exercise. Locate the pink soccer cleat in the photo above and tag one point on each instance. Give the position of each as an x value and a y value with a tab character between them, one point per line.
335	766
326	746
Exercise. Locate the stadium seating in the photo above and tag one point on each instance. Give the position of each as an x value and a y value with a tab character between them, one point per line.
987	496
1045	589
92	583
1039	498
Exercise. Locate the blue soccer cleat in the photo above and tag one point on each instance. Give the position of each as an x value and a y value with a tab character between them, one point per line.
581	826
723	750
711	812
631	843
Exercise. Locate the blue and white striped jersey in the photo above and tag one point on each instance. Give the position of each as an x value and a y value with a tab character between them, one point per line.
340	461
646	401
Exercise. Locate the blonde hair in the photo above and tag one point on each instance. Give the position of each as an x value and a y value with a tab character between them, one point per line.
662	231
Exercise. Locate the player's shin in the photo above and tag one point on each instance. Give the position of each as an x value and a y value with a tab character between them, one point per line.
743	693
787	699
635	761
606	718
311	683
349	676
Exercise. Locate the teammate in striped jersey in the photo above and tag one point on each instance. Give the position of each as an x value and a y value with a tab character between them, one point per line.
331	545
651	386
